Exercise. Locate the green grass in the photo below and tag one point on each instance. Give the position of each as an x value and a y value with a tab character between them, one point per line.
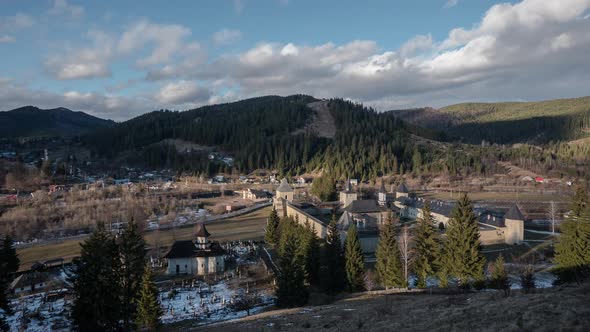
491	112
249	226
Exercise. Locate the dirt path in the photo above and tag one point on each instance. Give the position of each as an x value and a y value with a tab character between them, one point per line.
323	123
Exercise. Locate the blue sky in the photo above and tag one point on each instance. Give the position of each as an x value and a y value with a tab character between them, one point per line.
118	59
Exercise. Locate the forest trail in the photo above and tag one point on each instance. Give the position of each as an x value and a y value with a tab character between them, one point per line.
322	123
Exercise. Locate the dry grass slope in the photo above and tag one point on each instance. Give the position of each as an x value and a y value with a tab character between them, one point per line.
560	309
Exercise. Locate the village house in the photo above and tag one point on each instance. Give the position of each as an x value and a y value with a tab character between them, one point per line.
196	257
254	194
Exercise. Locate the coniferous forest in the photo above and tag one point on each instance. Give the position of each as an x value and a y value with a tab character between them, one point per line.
273	133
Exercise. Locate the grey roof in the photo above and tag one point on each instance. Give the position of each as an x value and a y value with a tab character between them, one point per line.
201	231
382	188
284	186
363	206
402	188
514	213
438	207
187	249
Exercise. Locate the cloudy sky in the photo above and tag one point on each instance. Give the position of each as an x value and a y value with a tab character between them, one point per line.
119	59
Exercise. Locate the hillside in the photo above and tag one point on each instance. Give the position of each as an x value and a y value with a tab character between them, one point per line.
290	134
30	121
299	134
509	122
559	309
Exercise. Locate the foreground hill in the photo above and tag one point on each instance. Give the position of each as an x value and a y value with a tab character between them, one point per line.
511	122
30	121
559	309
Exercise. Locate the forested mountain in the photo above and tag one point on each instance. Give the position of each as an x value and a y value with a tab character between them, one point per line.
273	133
30	121
511	122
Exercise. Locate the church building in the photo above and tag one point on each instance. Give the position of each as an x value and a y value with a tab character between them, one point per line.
199	257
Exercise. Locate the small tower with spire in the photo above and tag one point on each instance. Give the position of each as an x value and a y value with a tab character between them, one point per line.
402	191
202	237
347	196
514	222
382	196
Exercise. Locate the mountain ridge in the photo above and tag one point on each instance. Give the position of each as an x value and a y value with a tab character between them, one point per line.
32	121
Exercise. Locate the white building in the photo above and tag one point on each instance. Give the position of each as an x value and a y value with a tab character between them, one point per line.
199	257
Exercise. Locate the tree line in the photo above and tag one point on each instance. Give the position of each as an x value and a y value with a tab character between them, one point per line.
399	253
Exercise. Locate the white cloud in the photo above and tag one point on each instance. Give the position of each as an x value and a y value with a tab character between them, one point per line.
84	63
14	95
167	39
12	24
226	36
7	39
451	3
513	48
528	50
62	7
182	92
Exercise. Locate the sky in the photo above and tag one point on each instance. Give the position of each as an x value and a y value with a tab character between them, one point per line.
119	59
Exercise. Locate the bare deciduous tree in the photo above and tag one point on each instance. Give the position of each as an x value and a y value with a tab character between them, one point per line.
405	249
552	214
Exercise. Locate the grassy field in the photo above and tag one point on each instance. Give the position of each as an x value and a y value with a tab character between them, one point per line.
245	227
490	112
500	196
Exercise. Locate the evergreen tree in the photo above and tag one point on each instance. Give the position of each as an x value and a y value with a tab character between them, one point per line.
464	259
500	276
9	257
572	249
353	261
9	264
388	265
97	289
272	235
291	290
579	202
309	251
288	231
427	247
148	305
133	260
335	279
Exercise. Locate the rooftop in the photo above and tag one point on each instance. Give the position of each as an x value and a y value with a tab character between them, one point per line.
187	249
363	206
284	186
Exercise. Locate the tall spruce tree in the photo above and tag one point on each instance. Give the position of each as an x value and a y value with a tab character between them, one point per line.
291	290
97	287
9	264
9	257
335	276
353	261
148	305
579	202
132	248
572	249
309	251
463	255
427	247
271	235
388	265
